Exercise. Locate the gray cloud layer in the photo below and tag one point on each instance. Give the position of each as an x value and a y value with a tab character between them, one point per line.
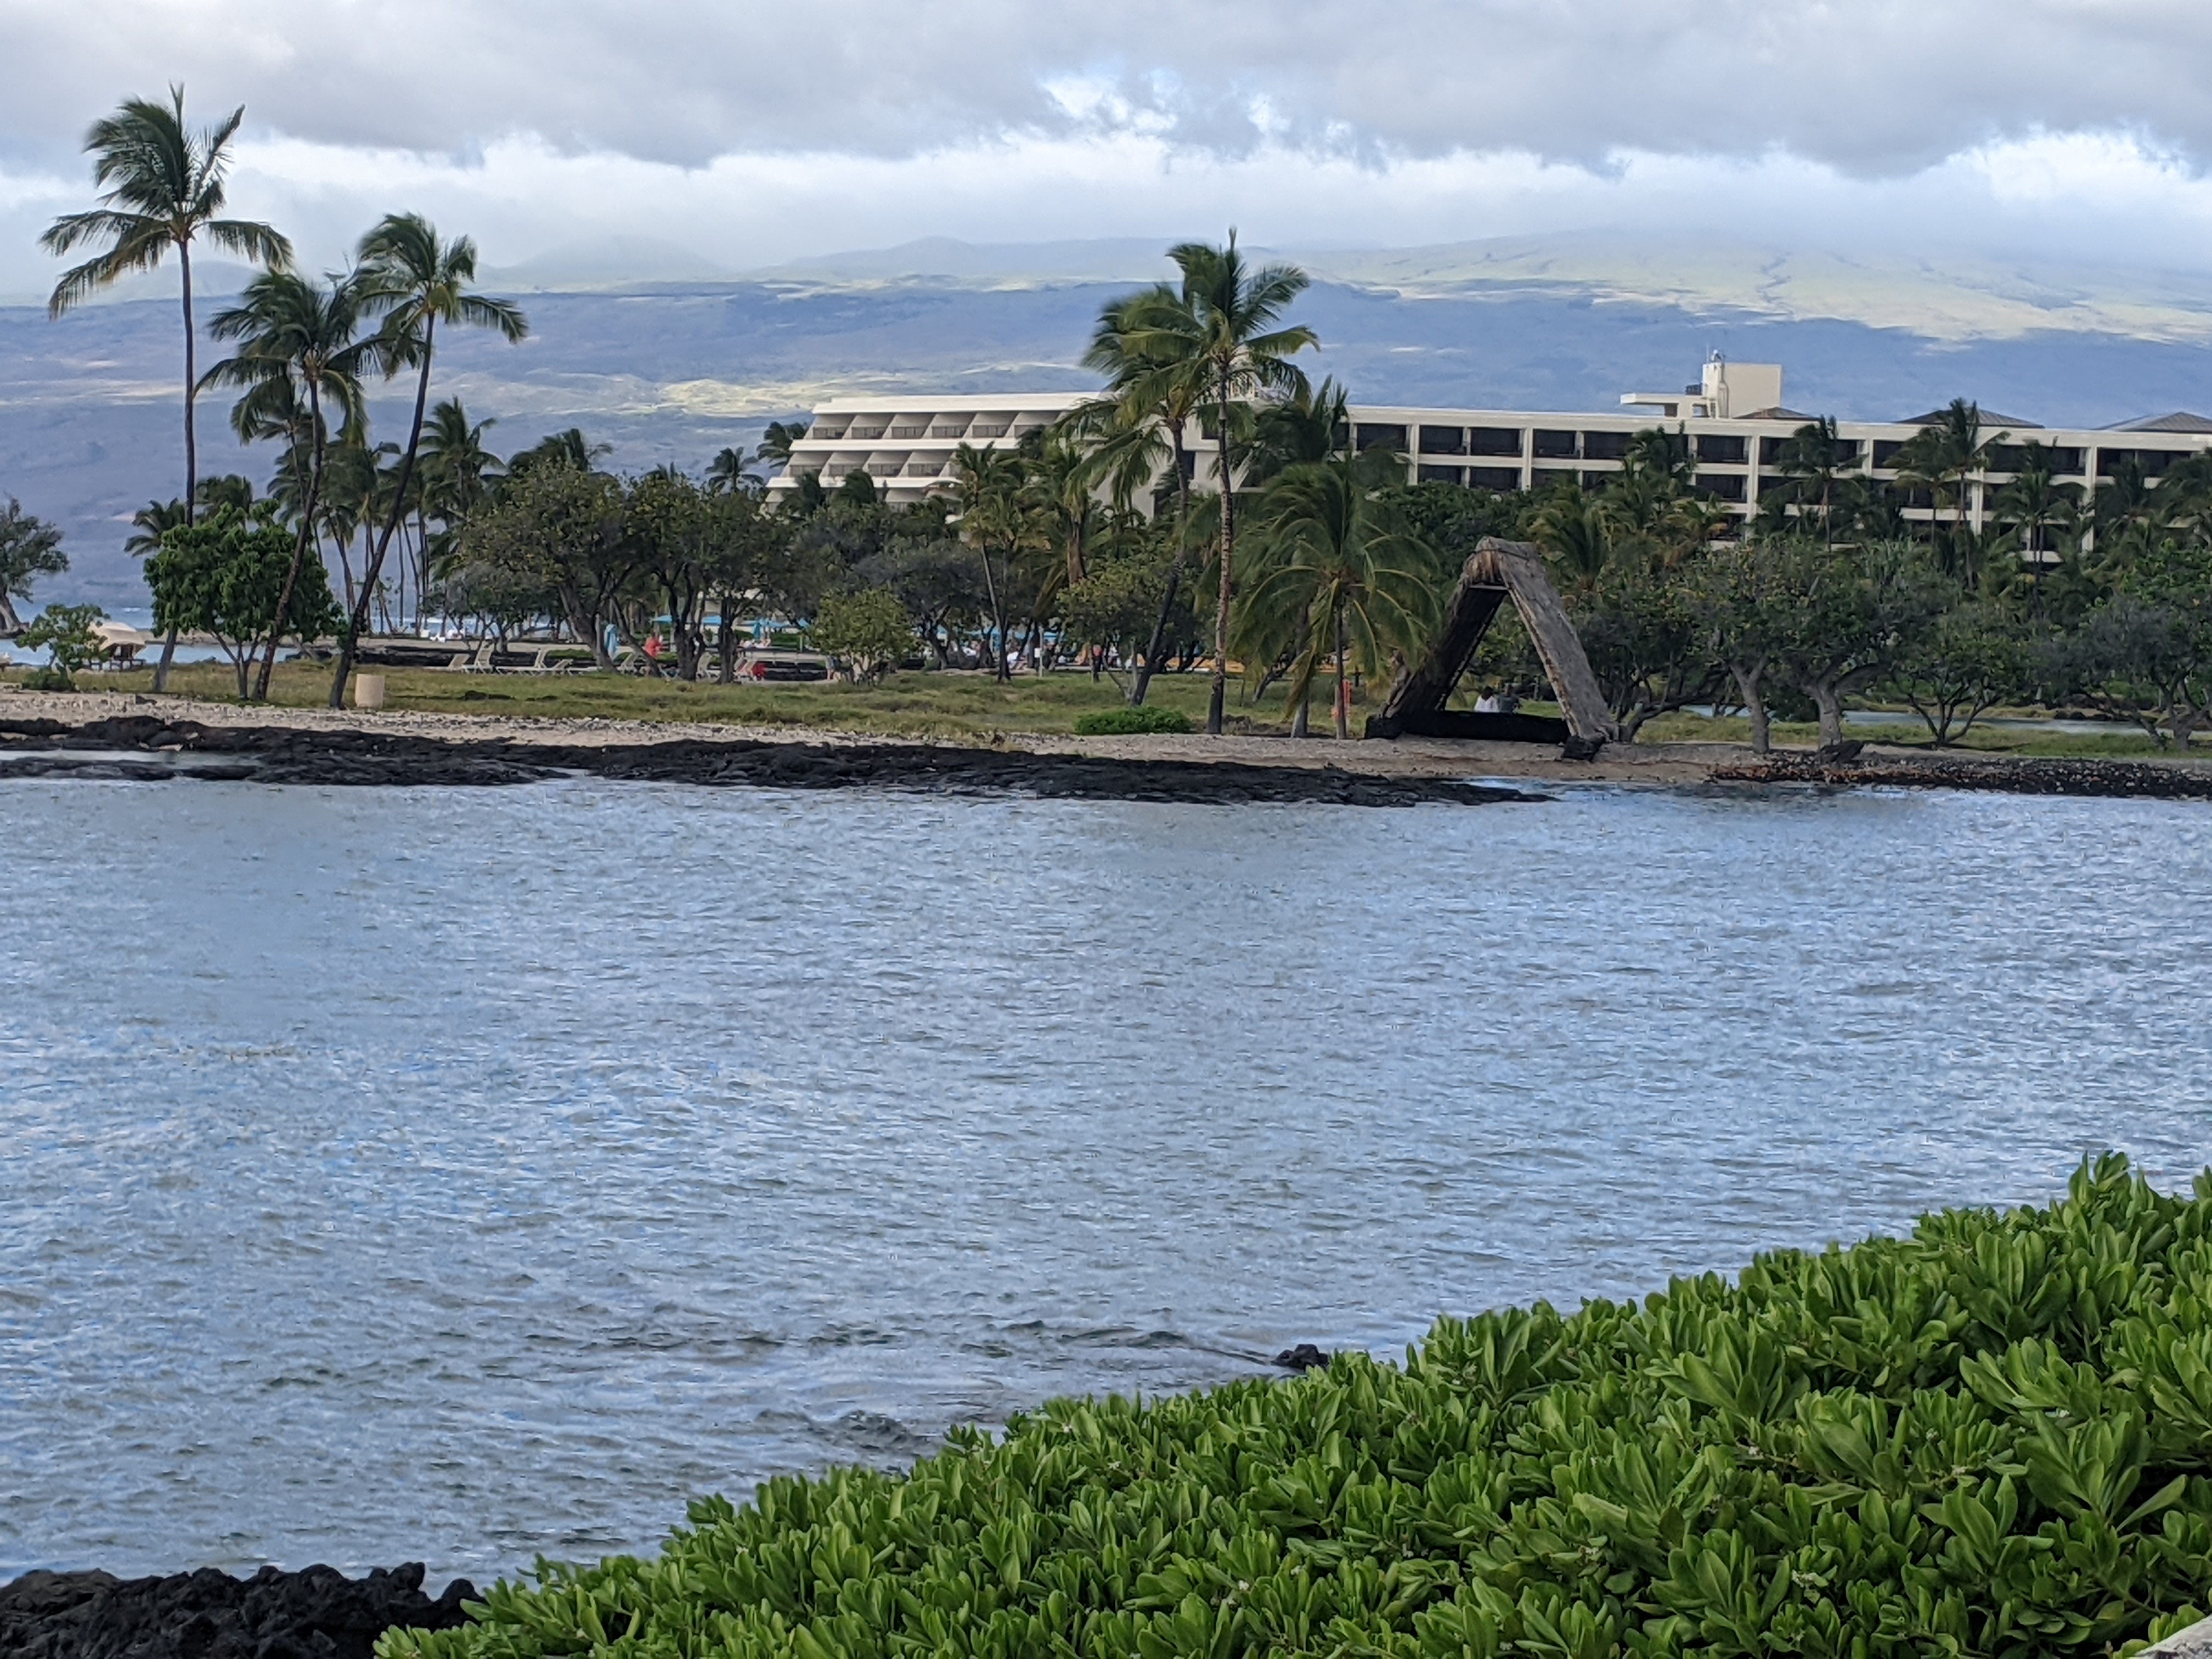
1873	86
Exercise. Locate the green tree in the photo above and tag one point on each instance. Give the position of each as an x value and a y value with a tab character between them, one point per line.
1815	461
415	280
2145	654
777	440
67	633
994	520
1739	595
870	632
559	527
1849	612
1339	576
298	349
162	188
1154	392
1223	328
1973	657
669	522
29	547
233	576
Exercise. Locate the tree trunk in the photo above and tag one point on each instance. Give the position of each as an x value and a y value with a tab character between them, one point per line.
997	650
358	618
1228	557
1343	686
1149	666
1754	707
192	450
191	387
1829	699
1299	720
300	548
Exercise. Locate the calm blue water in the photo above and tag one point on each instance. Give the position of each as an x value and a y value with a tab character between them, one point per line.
460	1175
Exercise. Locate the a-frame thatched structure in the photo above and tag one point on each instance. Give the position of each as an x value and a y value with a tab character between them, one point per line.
1495	571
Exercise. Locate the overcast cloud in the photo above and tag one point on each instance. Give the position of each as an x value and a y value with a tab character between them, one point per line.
754	133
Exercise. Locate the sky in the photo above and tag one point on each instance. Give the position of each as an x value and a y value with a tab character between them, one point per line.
742	136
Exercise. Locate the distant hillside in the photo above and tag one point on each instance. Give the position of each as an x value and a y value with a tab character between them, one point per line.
673	371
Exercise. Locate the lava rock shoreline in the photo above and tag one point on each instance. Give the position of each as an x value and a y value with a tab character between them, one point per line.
317	1612
273	754
2010	774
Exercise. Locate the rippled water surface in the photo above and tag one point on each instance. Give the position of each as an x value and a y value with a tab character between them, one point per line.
466	1174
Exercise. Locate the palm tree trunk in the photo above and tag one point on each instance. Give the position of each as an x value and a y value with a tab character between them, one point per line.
1147	668
1228	555
192	448
1343	692
998	622
359	618
300	547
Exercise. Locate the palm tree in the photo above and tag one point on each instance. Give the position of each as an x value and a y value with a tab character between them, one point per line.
1338	567
1945	454
730	471
986	492
1223	325
1813	458
415	281
299	350
777	442
162	188
1148	408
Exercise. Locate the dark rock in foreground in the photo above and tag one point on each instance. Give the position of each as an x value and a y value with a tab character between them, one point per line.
317	1612
290	755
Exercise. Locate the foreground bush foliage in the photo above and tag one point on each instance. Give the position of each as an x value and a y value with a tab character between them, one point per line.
1994	1437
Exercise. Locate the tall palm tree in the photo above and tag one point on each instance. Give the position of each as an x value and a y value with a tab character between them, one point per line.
161	187
994	519
1337	565
299	349
1813	458
1142	422
730	471
415	280
777	442
1224	323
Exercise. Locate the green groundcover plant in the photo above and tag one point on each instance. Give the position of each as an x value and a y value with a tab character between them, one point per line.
1126	722
1994	1437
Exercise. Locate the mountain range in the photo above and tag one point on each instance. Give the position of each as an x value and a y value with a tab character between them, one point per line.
667	358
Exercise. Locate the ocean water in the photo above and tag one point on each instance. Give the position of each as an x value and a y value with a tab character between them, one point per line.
465	1175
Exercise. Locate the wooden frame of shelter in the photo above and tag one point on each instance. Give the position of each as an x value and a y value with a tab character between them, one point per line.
1495	571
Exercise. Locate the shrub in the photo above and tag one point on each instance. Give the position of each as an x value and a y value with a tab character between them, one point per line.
870	632
1993	1436
66	632
49	679
1125	722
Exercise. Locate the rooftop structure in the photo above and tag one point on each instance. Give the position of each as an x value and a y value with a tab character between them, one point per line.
1732	420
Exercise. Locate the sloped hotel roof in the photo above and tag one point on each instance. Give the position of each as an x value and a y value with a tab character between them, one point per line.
1990	417
2180	421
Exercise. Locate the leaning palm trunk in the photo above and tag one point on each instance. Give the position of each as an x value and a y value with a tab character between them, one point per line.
299	550
1159	641
1343	689
1213	707
358	618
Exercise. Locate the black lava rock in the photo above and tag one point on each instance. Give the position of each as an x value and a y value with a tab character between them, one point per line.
1303	1357
317	1612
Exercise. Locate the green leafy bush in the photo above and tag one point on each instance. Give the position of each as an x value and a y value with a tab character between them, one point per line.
1994	1437
1126	722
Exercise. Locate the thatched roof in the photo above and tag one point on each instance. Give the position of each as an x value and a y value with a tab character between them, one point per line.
1497	570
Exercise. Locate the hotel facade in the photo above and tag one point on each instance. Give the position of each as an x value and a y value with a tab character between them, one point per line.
1733	419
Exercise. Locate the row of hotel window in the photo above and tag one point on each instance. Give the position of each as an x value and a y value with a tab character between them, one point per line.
1717	486
1719	449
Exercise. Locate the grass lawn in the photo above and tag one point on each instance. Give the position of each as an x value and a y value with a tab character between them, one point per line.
916	704
2125	743
970	705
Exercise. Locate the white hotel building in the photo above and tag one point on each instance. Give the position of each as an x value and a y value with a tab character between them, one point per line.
1733	420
